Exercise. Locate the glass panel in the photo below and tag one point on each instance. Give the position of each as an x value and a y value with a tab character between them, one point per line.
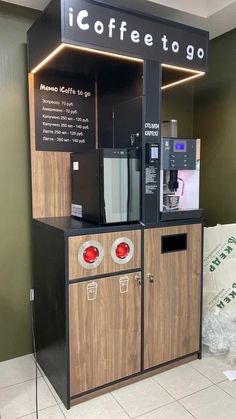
121	189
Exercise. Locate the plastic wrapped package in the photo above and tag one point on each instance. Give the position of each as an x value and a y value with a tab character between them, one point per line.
219	333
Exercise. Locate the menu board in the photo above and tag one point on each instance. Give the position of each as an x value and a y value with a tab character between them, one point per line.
64	113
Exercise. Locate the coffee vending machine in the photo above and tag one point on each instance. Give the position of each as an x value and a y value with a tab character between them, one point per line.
179	178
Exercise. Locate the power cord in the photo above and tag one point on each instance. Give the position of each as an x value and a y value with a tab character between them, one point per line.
34	351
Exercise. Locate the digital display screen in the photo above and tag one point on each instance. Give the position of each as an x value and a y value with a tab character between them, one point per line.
180	146
154	152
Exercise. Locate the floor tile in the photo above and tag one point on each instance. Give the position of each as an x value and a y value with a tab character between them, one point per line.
53	412
211	403
142	397
229	387
182	381
17	371
171	411
19	400
103	407
212	367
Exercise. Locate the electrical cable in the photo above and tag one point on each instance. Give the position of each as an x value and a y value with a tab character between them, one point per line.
34	353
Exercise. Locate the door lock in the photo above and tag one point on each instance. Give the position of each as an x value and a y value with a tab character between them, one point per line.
150	277
138	279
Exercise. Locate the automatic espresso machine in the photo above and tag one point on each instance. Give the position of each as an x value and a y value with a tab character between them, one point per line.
179	178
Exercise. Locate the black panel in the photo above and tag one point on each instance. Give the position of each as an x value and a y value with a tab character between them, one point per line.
45	34
86	184
151	135
50	306
184	158
119	84
128	123
72	226
133	34
64	113
181	215
173	243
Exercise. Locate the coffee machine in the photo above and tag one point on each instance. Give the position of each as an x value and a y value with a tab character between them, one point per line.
179	178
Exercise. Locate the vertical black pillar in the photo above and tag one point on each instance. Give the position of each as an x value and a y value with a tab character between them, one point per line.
151	139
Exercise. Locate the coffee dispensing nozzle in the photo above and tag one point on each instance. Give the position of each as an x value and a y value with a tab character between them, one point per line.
173	183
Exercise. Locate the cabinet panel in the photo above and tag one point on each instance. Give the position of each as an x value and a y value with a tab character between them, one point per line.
106	240
172	296
105	331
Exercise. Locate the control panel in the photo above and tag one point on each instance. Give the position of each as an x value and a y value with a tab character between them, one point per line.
152	153
178	154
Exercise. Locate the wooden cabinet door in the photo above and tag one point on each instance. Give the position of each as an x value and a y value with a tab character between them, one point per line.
108	265
105	331
172	296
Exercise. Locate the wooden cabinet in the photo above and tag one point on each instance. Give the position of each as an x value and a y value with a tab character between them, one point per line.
100	328
105	331
172	293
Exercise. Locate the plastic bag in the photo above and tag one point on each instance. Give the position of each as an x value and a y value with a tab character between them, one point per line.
219	333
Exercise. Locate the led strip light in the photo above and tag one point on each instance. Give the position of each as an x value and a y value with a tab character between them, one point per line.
91	50
193	73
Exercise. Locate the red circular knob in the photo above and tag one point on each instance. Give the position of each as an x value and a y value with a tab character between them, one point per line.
90	254
122	250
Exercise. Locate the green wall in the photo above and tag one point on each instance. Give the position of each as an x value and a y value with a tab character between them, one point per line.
215	124
15	206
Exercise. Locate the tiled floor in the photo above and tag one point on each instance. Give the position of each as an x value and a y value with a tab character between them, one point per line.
195	390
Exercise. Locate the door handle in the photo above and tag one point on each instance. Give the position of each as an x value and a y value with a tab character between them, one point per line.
138	279
150	278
